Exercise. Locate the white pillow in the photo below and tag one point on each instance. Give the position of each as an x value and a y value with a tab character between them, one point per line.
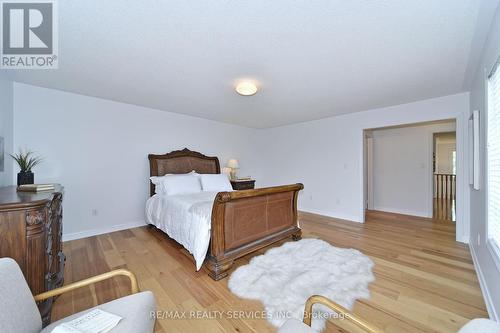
215	182
178	184
158	180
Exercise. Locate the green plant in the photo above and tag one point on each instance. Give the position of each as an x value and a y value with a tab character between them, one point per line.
26	160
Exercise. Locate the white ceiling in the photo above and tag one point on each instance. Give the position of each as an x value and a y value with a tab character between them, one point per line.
313	59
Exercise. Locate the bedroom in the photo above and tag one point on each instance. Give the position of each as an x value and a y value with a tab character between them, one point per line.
324	73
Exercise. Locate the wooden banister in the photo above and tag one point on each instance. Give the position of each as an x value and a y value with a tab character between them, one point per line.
445	185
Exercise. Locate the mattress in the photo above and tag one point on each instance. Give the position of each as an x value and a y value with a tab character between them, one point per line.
185	218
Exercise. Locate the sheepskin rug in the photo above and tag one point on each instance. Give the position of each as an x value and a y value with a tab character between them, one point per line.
284	277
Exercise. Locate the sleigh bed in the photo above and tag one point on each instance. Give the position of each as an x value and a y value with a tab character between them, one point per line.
241	221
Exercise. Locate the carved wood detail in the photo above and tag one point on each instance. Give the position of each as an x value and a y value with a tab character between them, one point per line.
181	161
35	217
30	233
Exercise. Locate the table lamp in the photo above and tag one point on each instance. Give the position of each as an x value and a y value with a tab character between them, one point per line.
233	165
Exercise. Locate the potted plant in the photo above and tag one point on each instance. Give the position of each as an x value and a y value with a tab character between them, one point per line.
26	160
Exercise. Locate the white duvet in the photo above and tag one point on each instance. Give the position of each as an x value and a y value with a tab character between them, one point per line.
185	218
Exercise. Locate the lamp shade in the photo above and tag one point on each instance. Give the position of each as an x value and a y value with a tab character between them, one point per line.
232	163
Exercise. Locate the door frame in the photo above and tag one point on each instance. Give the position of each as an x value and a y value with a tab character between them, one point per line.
368	137
432	135
462	200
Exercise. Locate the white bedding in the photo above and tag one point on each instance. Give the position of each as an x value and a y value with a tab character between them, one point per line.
185	218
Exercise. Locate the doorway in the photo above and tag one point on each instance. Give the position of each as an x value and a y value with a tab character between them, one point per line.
444	165
399	176
410	169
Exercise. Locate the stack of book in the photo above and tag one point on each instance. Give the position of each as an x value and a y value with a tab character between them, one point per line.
243	179
36	187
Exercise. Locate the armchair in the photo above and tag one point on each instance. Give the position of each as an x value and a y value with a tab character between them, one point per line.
19	312
296	326
482	325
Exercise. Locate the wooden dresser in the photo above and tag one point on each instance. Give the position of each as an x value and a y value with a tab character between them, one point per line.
31	234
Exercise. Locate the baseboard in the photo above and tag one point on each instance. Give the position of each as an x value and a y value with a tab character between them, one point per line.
402	211
100	231
332	214
484	287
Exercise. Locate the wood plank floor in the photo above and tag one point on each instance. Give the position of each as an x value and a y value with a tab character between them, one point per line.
425	281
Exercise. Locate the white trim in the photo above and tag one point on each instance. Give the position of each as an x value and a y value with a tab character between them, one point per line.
362	176
462	200
369	172
100	231
350	218
484	287
430	173
476	161
403	211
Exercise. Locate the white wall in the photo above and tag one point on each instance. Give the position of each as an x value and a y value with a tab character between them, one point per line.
402	168
489	272
327	155
98	150
6	128
84	138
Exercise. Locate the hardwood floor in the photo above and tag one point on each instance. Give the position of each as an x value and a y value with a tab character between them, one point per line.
425	281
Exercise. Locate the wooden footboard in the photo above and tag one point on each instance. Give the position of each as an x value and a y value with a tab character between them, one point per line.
245	221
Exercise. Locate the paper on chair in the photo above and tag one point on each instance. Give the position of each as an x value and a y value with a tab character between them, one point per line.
95	321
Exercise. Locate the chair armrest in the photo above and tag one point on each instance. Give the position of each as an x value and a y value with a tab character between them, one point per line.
89	281
338	309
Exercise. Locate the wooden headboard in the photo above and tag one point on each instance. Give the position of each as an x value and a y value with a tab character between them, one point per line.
181	161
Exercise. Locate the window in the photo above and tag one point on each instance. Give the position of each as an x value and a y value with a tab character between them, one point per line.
493	158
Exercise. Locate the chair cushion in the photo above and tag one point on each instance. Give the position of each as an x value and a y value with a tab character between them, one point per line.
295	326
135	310
481	325
18	310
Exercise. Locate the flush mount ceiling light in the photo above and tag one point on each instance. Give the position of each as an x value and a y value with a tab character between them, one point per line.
246	88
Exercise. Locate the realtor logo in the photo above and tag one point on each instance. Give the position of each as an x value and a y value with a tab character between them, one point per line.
29	34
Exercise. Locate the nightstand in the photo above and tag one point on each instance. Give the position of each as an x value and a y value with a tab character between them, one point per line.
243	184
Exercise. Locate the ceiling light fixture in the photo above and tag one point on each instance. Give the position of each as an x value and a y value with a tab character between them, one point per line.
246	88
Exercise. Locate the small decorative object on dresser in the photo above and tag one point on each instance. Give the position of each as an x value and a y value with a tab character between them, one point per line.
30	233
36	187
26	161
243	184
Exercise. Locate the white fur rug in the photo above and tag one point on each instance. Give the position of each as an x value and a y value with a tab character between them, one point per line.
284	277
